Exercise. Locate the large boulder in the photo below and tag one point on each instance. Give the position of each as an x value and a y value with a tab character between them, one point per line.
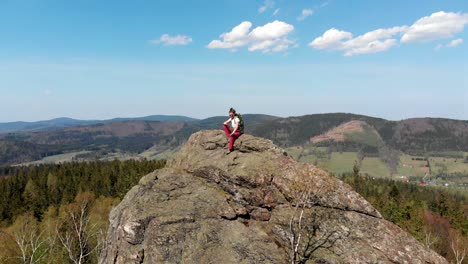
255	205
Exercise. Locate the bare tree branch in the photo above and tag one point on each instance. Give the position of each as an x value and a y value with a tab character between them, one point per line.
76	237
32	242
459	250
301	226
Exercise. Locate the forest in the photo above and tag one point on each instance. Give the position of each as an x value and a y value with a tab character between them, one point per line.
59	213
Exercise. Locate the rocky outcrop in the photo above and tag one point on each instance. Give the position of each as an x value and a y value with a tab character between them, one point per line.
208	207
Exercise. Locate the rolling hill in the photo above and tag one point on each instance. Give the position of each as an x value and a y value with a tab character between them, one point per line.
125	138
62	122
415	136
341	131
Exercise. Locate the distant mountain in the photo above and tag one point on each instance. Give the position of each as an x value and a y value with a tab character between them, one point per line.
253	121
342	131
57	123
163	118
12	127
295	131
102	138
414	136
121	135
419	135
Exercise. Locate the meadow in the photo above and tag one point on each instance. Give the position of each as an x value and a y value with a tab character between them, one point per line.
440	168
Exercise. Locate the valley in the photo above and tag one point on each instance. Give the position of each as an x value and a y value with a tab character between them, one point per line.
426	151
432	170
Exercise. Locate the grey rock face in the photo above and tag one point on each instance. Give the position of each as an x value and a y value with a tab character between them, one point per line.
208	207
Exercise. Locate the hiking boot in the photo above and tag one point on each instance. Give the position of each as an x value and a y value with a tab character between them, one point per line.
229	151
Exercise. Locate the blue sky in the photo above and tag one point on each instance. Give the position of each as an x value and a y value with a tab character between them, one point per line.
92	59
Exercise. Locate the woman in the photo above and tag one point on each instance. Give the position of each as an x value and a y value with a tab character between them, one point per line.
235	132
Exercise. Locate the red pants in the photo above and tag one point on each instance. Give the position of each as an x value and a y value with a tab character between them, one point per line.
232	138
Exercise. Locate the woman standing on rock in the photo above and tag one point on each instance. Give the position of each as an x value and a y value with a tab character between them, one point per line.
237	129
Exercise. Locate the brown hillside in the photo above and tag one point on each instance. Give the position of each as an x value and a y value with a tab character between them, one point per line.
339	133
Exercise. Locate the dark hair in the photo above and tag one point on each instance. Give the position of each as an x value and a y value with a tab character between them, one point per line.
232	110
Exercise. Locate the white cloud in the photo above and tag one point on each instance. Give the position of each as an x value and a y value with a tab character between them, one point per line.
237	37
371	47
305	13
273	30
331	39
271	37
271	45
276	12
454	43
266	5
371	42
439	25
168	40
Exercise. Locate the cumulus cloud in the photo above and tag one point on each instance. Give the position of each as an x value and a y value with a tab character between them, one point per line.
266	5
168	40
271	37
237	37
454	43
371	42
273	30
305	13
436	26
331	39
439	25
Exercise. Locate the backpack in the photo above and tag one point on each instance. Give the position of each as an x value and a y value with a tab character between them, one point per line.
240	128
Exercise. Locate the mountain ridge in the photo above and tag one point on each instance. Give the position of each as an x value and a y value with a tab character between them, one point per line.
412	136
59	122
62	122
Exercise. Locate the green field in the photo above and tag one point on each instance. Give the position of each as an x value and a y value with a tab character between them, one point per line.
451	165
409	166
54	159
375	167
157	154
335	162
150	154
365	137
339	162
